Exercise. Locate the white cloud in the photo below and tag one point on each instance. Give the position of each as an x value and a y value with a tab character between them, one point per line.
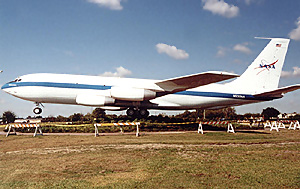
242	48
295	33
111	4
171	51
288	74
248	2
121	72
221	8
222	51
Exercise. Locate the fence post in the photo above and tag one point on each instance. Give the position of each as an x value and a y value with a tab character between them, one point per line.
96	130
230	128
137	129
200	128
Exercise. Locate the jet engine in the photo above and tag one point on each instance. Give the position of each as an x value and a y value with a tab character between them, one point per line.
131	94
94	100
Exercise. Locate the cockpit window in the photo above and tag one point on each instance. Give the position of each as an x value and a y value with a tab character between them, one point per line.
16	80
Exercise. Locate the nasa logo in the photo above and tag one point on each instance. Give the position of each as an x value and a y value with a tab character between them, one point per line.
265	66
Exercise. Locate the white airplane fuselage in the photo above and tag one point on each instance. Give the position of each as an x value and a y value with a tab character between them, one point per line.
198	91
64	89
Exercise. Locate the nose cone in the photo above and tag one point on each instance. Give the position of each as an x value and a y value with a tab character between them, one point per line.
6	87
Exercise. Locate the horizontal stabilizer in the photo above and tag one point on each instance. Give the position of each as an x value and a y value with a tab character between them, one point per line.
192	81
279	92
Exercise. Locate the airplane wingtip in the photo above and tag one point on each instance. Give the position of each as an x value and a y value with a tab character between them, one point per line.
223	73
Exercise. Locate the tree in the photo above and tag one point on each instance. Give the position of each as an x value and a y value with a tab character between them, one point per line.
48	119
227	113
230	113
188	116
296	117
98	113
76	117
249	115
215	114
61	118
9	117
200	113
270	112
88	117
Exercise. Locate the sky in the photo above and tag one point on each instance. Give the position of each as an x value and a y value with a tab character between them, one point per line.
157	39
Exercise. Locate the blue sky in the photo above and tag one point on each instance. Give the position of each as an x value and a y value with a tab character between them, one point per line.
155	39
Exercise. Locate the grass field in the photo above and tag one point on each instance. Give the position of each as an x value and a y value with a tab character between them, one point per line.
259	159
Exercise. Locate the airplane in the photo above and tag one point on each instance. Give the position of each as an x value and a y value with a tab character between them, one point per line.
259	83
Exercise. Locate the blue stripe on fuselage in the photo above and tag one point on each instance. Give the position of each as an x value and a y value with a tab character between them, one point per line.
58	85
216	94
103	87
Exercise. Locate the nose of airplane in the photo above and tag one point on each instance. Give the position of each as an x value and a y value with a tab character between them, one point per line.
6	87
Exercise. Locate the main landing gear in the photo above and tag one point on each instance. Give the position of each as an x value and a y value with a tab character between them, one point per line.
37	110
137	112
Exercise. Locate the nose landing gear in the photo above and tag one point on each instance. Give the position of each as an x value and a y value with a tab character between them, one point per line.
37	110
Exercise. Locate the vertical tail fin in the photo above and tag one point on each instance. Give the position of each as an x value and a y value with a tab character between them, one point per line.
264	72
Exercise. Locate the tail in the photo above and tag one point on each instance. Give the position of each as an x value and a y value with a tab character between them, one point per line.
264	73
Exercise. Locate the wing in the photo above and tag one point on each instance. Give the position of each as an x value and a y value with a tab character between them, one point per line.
191	81
279	92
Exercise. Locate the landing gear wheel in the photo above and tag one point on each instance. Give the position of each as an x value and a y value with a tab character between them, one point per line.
37	110
130	112
144	113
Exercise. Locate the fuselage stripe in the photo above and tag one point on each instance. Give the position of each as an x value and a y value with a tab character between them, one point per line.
57	85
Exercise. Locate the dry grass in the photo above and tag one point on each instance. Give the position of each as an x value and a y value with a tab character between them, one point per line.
189	160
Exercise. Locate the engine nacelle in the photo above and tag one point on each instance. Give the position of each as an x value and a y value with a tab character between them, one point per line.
94	100
131	94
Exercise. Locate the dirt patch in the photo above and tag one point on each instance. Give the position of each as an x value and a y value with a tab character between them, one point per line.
90	148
